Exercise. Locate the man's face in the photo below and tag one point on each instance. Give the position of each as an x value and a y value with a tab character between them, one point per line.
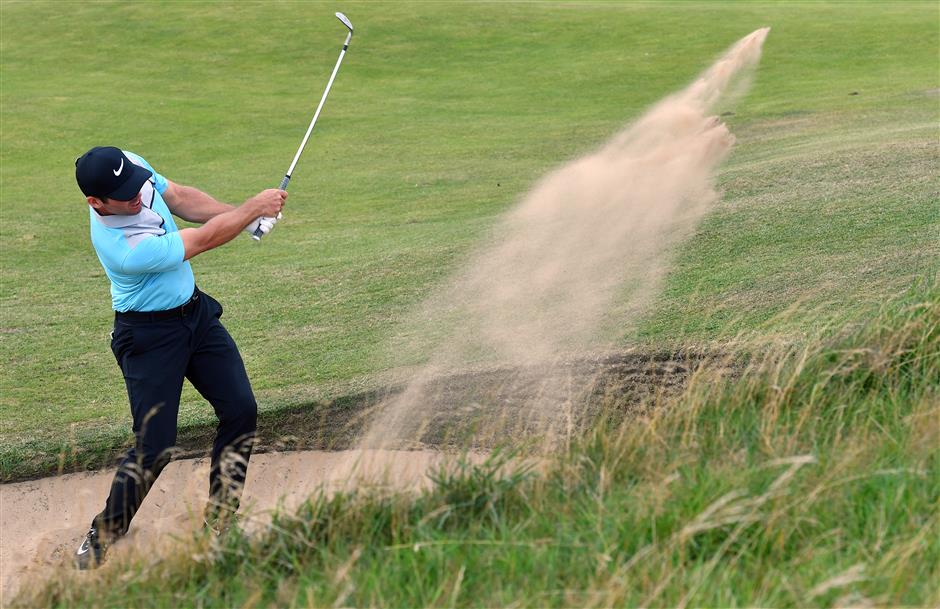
113	207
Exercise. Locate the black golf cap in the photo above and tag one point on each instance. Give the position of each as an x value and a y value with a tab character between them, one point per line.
105	171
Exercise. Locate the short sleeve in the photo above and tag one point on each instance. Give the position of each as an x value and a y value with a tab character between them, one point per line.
155	254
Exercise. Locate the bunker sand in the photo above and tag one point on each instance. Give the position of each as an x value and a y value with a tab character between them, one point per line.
44	520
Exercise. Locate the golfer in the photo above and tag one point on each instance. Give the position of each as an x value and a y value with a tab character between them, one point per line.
166	329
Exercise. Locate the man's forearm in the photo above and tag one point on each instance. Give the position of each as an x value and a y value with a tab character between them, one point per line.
193	205
216	231
225	226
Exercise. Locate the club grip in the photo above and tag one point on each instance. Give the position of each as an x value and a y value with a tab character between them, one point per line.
258	233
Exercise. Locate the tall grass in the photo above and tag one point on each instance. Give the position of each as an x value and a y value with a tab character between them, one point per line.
810	479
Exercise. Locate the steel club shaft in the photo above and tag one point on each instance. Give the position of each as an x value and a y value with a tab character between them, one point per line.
290	170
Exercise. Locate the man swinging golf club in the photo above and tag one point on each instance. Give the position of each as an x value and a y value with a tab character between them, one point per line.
165	329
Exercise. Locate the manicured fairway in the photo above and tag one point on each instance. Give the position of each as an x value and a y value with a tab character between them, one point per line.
443	116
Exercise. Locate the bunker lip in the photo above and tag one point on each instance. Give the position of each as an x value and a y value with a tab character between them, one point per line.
625	377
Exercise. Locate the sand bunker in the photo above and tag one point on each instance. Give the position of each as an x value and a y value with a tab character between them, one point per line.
43	521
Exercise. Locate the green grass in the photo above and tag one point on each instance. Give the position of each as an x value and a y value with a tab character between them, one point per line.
443	116
812	480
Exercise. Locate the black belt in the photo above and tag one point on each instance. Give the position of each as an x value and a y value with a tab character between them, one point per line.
176	313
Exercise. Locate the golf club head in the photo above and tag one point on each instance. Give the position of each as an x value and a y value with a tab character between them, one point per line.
345	21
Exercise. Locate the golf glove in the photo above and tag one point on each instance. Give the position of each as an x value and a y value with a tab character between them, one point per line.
265	224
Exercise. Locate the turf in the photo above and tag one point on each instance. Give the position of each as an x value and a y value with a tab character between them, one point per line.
443	116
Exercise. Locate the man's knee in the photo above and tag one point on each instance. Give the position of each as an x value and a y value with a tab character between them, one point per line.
156	438
241	412
151	458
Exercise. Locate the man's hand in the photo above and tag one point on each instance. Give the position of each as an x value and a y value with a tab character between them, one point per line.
265	224
267	203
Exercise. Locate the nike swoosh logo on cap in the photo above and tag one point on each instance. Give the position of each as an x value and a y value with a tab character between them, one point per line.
118	171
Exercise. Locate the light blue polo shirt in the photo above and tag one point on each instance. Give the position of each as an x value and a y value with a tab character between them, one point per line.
143	254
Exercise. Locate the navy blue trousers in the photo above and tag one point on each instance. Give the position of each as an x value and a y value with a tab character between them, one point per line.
155	354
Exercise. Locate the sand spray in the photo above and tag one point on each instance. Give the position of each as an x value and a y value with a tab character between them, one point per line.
589	232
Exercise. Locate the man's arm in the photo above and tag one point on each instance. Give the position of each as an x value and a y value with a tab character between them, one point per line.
193	205
225	226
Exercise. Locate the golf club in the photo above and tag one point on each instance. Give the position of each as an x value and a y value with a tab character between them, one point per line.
284	182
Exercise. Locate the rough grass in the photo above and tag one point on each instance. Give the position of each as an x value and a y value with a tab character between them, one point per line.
811	480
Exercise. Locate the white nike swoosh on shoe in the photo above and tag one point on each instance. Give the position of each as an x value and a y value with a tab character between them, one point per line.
118	171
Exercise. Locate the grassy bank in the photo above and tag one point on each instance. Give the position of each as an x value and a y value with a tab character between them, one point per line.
444	116
812	480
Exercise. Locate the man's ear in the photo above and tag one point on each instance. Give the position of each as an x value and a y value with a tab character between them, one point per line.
95	202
